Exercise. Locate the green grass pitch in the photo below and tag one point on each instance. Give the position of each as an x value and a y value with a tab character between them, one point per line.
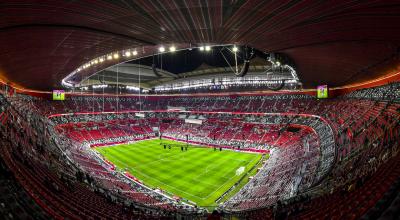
200	174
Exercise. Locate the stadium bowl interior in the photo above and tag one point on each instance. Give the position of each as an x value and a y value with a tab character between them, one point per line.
208	109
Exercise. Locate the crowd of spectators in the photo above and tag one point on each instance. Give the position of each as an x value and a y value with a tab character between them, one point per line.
340	145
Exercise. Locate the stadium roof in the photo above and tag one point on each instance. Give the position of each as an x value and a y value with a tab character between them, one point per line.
180	64
334	43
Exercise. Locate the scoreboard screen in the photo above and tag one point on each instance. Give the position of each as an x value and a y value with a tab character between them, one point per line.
322	92
59	95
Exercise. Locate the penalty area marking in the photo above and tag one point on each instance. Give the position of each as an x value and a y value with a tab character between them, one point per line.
225	183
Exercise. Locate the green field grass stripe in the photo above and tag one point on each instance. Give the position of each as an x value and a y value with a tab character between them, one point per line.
199	174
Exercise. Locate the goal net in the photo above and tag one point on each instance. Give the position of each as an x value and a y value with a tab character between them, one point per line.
239	171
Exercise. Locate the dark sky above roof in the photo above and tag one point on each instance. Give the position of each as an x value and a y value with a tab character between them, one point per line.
331	42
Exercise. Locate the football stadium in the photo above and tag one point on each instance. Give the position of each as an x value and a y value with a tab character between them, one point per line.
195	110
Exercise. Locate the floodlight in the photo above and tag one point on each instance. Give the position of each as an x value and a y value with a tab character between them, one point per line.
235	49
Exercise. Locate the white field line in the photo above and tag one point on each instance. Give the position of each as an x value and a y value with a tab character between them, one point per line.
162	160
226	181
159	180
156	161
229	179
167	184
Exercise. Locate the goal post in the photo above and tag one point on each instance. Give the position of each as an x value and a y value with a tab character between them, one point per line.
239	171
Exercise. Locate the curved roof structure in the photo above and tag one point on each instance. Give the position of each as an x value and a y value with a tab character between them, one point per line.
334	43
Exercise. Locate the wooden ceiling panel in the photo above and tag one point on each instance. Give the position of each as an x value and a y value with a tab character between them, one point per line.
332	42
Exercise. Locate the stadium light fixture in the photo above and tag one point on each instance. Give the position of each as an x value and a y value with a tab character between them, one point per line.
172	48
134	53
132	88
96	61
161	49
109	57
201	48
116	55
101	60
128	53
235	49
100	86
208	48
